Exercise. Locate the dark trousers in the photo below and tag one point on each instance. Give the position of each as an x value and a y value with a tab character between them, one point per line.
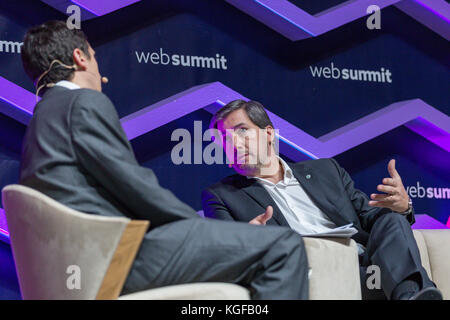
270	261
391	247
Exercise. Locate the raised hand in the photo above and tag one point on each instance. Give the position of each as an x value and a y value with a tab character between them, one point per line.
395	196
264	217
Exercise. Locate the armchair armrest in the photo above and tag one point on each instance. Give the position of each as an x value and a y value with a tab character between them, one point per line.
437	243
334	265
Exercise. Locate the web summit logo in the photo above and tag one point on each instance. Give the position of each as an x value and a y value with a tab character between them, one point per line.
383	75
430	192
217	62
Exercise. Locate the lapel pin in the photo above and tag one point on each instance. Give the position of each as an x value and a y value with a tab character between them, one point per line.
308	176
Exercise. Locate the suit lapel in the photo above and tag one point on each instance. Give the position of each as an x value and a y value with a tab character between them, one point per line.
257	192
309	182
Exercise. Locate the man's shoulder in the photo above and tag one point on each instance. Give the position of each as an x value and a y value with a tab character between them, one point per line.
236	180
326	168
88	97
90	93
92	104
70	97
314	164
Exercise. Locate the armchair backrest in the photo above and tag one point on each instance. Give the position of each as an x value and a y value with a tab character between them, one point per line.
61	253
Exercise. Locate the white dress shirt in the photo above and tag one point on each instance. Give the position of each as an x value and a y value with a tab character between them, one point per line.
300	212
67	84
302	215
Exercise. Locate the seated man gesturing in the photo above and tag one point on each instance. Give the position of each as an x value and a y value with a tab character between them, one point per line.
315	196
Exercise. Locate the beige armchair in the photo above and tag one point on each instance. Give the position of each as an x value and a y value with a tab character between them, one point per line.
51	243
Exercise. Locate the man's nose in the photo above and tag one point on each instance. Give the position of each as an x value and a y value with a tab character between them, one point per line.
239	143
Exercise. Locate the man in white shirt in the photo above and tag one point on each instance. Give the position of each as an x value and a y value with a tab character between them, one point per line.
313	197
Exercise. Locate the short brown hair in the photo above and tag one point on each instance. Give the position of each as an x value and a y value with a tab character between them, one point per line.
255	111
47	42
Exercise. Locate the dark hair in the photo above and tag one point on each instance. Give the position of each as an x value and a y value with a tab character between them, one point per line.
255	111
49	41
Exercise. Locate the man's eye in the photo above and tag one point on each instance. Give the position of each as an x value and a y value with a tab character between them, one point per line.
242	130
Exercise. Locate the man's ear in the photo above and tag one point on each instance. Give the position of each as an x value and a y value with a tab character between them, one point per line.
271	134
80	59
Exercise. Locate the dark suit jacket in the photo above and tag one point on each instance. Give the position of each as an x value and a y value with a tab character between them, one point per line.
329	186
76	152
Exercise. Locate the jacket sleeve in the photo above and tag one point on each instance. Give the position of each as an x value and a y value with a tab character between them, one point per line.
367	214
213	206
103	150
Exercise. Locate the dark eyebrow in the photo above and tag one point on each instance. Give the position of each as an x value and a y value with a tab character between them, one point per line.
233	128
239	125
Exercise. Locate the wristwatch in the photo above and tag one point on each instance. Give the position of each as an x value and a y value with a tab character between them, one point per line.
409	210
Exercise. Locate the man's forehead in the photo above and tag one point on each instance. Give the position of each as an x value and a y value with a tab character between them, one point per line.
233	119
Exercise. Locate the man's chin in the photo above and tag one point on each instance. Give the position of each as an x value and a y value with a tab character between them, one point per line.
246	169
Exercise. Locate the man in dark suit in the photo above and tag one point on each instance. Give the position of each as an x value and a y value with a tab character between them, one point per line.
312	197
76	152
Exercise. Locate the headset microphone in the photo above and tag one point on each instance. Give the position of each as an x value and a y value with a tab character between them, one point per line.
73	67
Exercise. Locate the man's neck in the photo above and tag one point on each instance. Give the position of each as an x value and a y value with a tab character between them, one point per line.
274	173
83	82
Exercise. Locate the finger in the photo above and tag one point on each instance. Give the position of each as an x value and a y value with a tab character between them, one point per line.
389	182
386	189
267	215
255	222
258	219
263	217
391	168
381	204
269	211
379	197
385	198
